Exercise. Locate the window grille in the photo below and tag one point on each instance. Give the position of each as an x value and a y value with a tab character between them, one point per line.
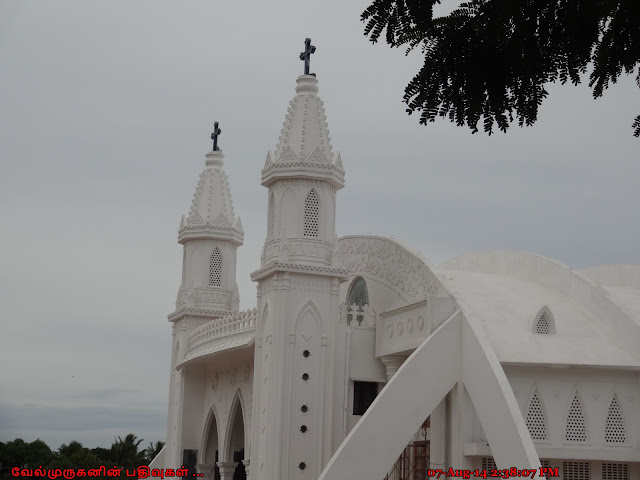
615	471
184	265
364	393
536	423
488	464
272	217
576	428
614	431
359	296
215	268
311	214
542	326
576	471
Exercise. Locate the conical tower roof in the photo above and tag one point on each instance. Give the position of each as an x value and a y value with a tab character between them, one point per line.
304	148
211	214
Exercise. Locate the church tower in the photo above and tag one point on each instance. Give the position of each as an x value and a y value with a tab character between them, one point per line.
298	285
210	235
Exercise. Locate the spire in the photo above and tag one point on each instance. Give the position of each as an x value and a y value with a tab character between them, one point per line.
304	142
211	214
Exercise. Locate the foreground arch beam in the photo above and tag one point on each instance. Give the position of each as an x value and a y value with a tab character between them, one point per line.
455	352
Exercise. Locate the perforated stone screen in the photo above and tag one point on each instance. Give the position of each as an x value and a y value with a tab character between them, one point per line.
311	214
272	217
488	464
614	431
536	422
215	268
615	471
542	325
576	471
576	430
184	265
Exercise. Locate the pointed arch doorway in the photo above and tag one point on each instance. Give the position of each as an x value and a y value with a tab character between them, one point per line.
211	449
236	441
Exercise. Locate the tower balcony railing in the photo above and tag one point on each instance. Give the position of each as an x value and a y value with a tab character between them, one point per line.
233	324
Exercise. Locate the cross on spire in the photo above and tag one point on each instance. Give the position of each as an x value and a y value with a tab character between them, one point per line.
214	136
306	55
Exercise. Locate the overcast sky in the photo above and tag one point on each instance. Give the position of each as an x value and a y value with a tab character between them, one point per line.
106	111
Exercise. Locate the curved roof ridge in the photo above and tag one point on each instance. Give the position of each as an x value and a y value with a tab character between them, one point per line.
551	274
447	264
614	274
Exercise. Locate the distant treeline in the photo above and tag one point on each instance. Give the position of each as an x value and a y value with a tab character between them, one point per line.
36	457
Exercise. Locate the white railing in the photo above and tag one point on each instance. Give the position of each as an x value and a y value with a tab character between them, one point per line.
240	322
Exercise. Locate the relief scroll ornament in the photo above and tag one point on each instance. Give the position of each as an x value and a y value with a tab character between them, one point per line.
385	259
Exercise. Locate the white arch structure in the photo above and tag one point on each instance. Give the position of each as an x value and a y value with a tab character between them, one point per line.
458	351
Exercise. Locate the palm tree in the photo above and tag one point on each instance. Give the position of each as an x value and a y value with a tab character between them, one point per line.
153	450
125	452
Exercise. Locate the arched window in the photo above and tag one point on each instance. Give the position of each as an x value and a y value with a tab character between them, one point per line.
614	430
576	428
272	217
184	265
311	214
544	323
358	295
215	268
536	422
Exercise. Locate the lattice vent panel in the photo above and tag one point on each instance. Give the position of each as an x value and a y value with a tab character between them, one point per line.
576	471
614	431
536	423
542	325
615	471
184	265
576	430
311	214
488	464
215	268
272	217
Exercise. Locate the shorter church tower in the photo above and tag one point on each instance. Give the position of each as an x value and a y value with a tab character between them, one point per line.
210	235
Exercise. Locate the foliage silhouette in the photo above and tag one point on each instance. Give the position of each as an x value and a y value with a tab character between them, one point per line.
489	60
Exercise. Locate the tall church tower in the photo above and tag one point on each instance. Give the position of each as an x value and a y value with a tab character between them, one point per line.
293	409
210	235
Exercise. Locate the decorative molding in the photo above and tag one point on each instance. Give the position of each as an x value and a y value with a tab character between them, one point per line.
294	268
319	287
306	183
388	261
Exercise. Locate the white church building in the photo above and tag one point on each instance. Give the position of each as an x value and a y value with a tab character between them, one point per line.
363	361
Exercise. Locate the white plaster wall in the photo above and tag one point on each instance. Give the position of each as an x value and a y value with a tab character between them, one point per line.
214	389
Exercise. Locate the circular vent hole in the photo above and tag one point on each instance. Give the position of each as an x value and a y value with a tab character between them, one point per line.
303	428
305	376
304	409
302	465
306	353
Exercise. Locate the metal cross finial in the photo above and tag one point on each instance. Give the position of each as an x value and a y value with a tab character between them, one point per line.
214	136
306	55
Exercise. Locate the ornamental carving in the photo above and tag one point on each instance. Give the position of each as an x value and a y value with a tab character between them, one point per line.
311	287
388	261
305	183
